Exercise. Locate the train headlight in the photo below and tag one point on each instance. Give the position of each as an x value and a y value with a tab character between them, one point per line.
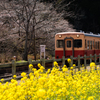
78	35
59	36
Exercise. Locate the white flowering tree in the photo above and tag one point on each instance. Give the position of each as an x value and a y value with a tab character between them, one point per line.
34	22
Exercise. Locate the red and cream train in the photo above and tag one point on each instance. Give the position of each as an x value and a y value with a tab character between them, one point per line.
76	43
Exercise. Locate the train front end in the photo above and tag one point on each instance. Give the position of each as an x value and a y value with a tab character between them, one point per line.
69	44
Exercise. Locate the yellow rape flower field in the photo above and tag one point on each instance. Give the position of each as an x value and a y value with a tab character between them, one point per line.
53	84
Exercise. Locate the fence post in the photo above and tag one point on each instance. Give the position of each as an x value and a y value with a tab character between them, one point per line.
71	60
99	59
78	62
13	68
85	61
43	62
53	61
95	58
90	58
63	61
30	62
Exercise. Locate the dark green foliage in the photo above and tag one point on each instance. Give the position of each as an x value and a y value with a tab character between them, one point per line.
84	14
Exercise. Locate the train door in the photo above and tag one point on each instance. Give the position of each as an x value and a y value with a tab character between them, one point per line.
68	47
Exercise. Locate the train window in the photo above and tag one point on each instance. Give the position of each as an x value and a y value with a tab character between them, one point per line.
98	44
90	44
69	44
93	44
59	43
87	44
77	43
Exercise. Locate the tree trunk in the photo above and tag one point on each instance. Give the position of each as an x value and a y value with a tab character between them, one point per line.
34	43
34	47
25	49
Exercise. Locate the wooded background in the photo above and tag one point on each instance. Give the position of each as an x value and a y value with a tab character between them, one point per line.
27	24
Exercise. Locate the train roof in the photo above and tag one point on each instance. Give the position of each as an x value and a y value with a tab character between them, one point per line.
85	34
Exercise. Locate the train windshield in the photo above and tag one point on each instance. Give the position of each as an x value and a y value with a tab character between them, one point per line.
59	43
77	43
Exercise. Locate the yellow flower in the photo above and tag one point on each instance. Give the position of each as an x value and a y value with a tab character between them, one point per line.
2	80
42	68
71	67
78	92
65	69
30	66
23	74
74	65
69	60
41	93
92	64
14	76
90	98
30	74
42	80
48	71
82	65
53	85
39	65
55	64
71	98
64	66
12	80
24	78
34	69
36	73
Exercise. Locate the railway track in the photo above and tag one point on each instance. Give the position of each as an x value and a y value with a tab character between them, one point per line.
6	72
